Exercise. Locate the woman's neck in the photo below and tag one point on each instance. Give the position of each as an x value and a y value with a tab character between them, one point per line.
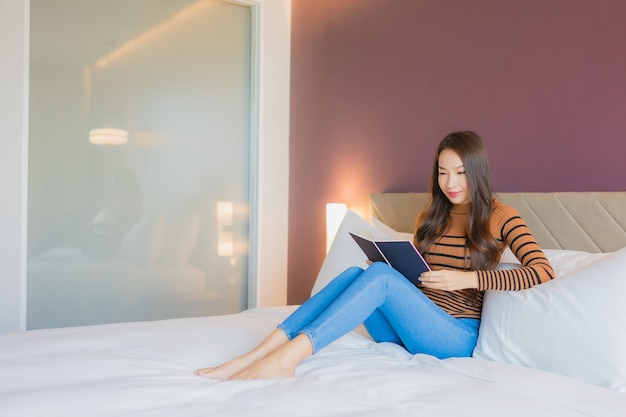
460	208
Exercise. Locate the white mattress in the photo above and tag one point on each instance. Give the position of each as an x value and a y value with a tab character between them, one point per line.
146	369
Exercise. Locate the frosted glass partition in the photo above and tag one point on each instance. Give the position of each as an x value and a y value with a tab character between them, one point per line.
149	220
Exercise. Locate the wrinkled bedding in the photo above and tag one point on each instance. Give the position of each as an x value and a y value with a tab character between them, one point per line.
146	369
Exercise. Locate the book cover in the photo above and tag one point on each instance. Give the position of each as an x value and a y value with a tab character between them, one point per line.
401	255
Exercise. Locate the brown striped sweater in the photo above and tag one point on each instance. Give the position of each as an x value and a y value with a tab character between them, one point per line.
449	252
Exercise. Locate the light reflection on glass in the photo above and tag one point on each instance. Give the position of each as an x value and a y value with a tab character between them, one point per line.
122	233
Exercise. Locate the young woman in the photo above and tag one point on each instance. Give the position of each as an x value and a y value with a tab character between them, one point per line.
462	234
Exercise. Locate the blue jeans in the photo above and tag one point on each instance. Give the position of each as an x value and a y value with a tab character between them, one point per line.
392	310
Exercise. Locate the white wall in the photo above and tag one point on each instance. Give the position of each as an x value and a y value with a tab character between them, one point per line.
270	263
13	45
273	198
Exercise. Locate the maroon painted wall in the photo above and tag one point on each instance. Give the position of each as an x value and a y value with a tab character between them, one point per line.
377	83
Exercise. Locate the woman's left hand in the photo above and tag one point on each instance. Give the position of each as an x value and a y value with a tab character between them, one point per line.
448	280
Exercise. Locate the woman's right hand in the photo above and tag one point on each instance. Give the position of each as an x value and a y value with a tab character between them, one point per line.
449	280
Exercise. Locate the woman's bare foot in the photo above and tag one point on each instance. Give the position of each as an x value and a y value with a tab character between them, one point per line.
225	371
228	369
271	366
281	363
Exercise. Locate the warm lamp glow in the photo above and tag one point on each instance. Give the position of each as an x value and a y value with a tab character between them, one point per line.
335	213
108	136
225	236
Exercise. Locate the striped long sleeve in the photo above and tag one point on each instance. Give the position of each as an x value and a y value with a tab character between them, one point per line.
450	252
511	228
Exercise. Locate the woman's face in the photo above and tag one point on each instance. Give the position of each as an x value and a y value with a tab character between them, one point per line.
452	178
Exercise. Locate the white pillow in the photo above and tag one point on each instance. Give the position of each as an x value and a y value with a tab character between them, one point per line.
142	244
508	257
573	325
564	261
389	232
344	252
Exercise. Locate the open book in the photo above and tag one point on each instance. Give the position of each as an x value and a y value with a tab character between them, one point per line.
401	255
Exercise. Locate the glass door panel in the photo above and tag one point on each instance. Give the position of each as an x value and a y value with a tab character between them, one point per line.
139	149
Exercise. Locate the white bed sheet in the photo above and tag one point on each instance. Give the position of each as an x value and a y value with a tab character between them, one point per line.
146	369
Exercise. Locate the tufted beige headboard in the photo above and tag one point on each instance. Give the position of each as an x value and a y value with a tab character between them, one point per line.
587	221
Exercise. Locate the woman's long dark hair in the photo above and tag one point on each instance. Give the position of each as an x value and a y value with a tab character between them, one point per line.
484	248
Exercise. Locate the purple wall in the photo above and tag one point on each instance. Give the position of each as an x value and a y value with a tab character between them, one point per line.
377	83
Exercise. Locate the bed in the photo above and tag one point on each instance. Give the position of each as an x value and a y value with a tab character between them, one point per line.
556	350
